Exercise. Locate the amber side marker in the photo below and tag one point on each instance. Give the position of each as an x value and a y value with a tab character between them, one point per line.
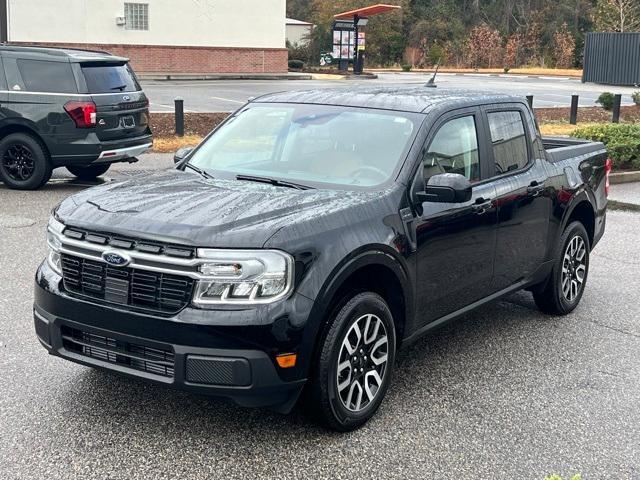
286	360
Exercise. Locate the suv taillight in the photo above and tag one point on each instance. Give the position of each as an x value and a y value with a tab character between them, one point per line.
607	170
82	113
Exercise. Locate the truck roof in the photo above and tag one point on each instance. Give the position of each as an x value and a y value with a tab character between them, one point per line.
63	54
400	98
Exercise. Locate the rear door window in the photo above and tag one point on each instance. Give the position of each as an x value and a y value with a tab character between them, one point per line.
103	78
45	76
510	150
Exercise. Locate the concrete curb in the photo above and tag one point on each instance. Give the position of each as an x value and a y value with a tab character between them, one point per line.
222	76
624	177
616	205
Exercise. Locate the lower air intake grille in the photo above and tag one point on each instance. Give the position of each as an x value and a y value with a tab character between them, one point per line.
141	289
130	355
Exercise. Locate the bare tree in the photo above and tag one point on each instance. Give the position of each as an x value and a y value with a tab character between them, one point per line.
617	15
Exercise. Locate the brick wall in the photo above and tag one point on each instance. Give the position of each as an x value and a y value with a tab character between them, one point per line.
201	60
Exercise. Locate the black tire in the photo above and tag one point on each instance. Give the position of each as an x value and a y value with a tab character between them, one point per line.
323	400
24	162
90	172
553	298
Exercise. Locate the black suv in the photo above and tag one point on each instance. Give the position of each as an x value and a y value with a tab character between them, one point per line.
311	236
79	109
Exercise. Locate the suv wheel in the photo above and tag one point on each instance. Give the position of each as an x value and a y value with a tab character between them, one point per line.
354	365
24	163
568	278
90	172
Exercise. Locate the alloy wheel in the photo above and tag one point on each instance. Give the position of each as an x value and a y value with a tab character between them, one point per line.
18	162
574	268
362	362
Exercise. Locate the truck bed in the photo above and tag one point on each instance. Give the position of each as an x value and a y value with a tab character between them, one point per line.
565	148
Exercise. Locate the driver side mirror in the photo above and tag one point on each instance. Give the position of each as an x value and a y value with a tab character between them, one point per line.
446	188
181	154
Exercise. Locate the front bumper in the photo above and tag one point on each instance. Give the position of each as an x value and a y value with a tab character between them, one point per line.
235	363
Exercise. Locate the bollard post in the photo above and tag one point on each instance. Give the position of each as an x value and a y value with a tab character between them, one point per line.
573	116
179	114
616	108
530	101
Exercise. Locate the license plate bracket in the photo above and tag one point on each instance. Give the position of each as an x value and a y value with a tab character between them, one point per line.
128	121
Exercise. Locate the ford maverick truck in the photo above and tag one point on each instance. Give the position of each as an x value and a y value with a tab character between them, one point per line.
311	236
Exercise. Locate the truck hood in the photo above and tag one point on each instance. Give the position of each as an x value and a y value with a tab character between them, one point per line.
184	208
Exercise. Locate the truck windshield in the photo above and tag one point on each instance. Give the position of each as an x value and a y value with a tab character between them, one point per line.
105	78
310	144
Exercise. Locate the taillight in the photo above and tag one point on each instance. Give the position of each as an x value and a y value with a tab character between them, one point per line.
607	170
82	113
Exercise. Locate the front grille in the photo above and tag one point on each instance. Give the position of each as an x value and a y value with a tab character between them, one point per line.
136	288
137	357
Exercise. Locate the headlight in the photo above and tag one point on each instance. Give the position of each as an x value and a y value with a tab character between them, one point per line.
54	229
243	276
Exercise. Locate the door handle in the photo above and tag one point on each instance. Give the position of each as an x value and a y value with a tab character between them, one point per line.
535	188
481	205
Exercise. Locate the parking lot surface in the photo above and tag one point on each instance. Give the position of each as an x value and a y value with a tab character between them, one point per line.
227	95
505	392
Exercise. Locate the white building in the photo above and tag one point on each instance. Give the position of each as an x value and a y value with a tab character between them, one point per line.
160	36
298	32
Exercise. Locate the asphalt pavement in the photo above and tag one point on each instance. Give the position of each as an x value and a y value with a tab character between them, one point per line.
505	392
227	95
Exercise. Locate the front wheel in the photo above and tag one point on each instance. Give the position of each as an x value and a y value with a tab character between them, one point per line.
354	365
568	278
90	172
24	162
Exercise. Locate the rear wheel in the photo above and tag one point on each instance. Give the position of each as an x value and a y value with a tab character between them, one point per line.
354	366
90	172
568	278
24	163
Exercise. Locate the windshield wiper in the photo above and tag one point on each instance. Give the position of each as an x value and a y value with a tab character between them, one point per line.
199	171
121	87
273	181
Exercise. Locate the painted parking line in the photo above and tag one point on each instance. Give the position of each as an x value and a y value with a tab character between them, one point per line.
228	100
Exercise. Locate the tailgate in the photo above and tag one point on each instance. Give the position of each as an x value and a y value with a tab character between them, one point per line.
121	115
122	107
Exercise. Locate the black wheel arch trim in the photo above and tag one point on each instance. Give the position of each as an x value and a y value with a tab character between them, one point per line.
370	255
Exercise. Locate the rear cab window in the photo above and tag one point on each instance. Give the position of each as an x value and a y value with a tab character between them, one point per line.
45	76
109	78
508	140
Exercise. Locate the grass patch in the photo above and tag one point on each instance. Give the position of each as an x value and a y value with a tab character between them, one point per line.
171	144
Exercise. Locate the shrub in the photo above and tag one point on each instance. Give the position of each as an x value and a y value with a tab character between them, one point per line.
621	139
606	100
635	96
406	68
506	69
296	64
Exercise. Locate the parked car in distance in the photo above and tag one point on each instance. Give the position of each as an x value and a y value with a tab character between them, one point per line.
78	109
311	236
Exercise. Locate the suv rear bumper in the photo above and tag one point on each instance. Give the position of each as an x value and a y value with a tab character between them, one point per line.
91	150
191	357
108	156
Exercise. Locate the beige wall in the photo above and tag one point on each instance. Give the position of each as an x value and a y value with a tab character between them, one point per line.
298	34
219	23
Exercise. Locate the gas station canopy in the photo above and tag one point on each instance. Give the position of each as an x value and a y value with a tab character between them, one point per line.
367	11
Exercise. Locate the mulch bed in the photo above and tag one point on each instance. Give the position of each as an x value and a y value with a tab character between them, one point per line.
587	114
201	124
163	124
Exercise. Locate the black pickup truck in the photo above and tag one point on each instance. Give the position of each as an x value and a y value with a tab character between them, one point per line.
312	235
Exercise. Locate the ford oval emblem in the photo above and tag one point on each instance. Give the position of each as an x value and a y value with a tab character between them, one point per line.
126	98
116	259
